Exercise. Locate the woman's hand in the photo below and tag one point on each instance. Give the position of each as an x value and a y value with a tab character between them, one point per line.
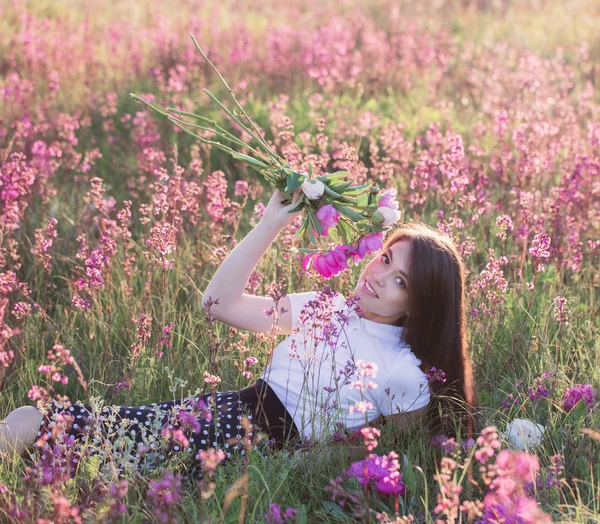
276	214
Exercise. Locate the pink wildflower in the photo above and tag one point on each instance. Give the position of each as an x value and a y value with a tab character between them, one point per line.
241	188
210	459
213	380
370	437
362	406
561	311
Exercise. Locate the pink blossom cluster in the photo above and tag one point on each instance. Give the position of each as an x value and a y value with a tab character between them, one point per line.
58	357
210	459
6	354
43	242
561	311
507	497
505	486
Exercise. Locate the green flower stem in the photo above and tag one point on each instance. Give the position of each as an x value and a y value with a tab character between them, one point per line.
218	145
154	108
256	137
218	130
265	144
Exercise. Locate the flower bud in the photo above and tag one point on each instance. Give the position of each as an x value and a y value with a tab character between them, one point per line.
377	218
313	189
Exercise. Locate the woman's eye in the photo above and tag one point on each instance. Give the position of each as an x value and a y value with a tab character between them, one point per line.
401	282
385	259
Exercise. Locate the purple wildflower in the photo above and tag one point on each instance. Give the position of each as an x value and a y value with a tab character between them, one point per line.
383	471
575	393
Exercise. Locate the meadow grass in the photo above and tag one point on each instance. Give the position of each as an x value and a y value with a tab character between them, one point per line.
513	344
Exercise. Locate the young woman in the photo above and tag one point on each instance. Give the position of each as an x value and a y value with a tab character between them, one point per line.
344	363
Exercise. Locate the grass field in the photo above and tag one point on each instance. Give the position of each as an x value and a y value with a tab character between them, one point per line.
485	116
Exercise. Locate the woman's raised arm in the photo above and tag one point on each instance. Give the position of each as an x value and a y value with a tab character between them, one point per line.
235	307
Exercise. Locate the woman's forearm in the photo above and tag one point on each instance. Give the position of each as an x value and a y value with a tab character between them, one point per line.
230	280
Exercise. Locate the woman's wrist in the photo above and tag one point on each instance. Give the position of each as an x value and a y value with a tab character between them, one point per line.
269	226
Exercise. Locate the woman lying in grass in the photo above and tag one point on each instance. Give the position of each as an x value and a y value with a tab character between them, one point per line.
352	362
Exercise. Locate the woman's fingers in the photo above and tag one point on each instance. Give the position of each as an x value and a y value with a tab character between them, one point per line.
296	196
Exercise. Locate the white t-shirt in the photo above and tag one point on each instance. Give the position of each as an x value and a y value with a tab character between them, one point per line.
313	370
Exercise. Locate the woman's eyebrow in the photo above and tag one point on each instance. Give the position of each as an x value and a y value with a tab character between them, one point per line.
389	252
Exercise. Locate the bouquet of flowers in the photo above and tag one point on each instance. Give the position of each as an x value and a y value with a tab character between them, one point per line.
333	208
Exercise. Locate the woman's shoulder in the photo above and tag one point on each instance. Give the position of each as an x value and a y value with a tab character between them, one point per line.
405	362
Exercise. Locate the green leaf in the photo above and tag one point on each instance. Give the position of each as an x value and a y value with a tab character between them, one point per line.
249	160
333	235
337	177
310	171
341	188
408	475
579	412
299	207
334	509
293	182
301	230
348	212
311	235
301	516
365	226
346	231
363	200
90	466
331	193
315	222
380	506
359	188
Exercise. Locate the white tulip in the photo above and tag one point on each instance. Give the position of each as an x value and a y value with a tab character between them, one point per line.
390	216
313	189
523	433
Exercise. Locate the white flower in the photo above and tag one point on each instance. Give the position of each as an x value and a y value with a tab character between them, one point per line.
523	433
390	216
313	189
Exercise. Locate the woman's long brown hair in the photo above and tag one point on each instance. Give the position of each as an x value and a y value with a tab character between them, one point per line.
435	328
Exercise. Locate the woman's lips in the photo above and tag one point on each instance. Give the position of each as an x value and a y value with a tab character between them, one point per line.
369	292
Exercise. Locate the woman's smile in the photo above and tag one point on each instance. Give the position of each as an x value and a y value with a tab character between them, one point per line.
369	288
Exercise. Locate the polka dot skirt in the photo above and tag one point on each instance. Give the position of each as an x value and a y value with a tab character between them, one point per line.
141	435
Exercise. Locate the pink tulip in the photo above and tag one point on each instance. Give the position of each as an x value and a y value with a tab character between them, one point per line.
329	264
329	216
369	244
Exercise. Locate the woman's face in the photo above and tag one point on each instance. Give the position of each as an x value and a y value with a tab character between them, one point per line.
384	284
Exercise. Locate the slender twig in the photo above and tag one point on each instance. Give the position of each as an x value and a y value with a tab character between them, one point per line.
261	139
